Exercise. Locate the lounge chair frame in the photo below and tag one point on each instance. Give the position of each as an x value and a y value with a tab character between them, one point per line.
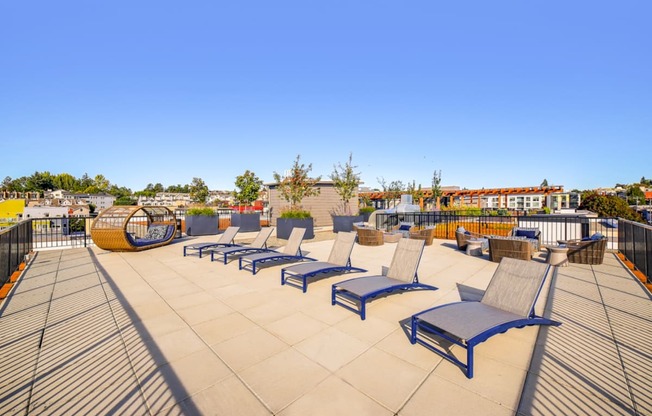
257	246
362	289
345	242
292	252
226	240
468	310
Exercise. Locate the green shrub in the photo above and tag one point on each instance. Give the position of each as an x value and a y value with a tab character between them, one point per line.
200	211
295	213
367	210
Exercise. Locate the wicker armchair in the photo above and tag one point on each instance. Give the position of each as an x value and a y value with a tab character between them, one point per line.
516	248
370	237
463	236
532	234
427	234
586	252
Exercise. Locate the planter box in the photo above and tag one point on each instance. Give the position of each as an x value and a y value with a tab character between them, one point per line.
365	216
201	224
246	222
344	223
284	227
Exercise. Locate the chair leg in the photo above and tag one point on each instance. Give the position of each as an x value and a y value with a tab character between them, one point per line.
469	361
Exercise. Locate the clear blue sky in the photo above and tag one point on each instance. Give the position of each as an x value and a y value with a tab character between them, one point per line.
492	93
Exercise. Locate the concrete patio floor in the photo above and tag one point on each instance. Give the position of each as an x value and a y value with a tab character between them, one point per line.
88	331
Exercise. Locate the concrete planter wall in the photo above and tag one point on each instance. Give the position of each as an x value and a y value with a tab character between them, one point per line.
201	224
246	222
344	223
284	227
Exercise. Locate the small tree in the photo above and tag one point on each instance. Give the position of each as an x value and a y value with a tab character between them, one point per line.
248	186
346	182
198	190
436	188
295	187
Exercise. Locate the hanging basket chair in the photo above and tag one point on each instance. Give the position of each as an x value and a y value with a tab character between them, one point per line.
133	228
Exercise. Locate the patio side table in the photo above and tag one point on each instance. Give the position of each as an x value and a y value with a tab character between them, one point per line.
557	256
474	248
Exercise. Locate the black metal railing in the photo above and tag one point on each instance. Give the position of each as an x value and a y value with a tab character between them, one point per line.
635	242
553	227
61	232
15	244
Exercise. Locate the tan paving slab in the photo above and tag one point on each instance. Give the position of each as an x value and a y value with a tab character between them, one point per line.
389	384
440	396
226	397
197	371
332	348
223	328
296	327
334	396
203	312
249	348
283	378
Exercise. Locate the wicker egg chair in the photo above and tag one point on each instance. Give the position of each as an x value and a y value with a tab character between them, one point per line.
133	228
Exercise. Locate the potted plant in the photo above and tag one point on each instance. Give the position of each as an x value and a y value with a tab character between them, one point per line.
248	186
293	188
366	212
346	182
201	221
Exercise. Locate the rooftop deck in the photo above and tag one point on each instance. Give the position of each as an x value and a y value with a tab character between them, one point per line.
93	332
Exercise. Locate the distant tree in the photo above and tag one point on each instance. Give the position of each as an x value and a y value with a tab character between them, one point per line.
184	189
7	184
395	190
247	188
125	200
608	206
635	195
198	190
84	182
65	181
436	188
39	182
415	191
101	183
544	183
120	192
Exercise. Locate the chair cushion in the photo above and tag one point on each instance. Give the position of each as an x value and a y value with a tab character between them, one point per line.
405	227
526	233
156	232
596	236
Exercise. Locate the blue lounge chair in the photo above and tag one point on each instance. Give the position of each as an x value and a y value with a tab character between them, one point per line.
339	260
507	303
400	276
291	252
226	240
258	245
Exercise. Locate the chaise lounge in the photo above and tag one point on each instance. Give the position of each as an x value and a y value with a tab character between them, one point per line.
259	244
291	252
339	261
507	303
399	277
226	240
